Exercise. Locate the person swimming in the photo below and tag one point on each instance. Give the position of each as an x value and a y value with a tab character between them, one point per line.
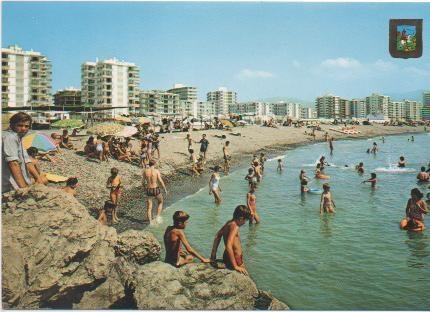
402	162
372	180
423	176
360	168
319	174
415	208
327	204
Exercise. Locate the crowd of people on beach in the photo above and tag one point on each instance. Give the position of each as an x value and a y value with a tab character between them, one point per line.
21	169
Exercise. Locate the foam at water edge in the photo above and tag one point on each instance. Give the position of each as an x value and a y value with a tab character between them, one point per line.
395	170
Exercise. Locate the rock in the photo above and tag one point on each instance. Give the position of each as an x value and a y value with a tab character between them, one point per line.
139	247
266	301
53	249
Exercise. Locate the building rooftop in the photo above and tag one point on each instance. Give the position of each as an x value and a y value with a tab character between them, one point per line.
15	49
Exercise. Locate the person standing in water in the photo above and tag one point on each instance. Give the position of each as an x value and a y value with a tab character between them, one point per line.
360	168
303	182
374	148
251	200
415	208
151	178
263	159
402	162
214	187
327	204
372	180
233	255
330	143
174	238
226	156
412	139
280	165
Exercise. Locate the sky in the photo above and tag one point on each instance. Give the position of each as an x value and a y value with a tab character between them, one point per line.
260	50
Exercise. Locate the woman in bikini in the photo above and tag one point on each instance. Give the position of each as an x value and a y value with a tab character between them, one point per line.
251	200
327	204
114	184
415	208
214	187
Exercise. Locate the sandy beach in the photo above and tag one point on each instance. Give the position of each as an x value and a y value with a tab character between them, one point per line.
174	163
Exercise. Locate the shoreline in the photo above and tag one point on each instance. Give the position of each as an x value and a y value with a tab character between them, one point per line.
175	169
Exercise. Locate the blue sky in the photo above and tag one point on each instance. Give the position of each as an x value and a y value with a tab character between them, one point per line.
260	50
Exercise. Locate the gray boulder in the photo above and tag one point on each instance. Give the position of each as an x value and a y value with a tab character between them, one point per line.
139	247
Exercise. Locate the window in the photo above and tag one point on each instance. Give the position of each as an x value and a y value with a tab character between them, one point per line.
4	72
108	101
34	74
3	88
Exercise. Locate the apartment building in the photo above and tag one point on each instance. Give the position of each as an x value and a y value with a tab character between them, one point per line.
345	111
223	99
110	83
426	106
358	108
413	110
185	93
68	97
397	111
292	110
26	78
206	109
377	104
307	113
159	102
255	108
328	106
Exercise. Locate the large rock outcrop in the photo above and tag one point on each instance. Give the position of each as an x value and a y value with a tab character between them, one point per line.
55	255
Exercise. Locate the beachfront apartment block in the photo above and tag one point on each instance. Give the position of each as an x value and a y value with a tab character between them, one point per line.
413	110
110	84
292	110
377	104
328	106
358	108
185	93
307	113
26	78
223	99
68	97
159	102
397	111
425	112
251	108
206	109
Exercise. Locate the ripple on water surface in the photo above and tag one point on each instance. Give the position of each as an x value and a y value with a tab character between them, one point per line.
355	259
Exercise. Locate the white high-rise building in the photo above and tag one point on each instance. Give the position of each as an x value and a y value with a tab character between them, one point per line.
377	104
223	99
111	83
159	102
396	111
307	113
426	106
185	93
328	106
26	78
358	108
255	108
206	109
413	110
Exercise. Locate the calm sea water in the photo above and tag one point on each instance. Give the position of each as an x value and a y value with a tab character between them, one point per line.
355	259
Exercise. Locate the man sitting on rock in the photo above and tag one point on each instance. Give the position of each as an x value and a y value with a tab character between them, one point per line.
232	256
174	237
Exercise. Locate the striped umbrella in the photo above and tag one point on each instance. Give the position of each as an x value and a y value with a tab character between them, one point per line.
39	140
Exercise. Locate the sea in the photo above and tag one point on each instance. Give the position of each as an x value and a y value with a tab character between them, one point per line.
355	259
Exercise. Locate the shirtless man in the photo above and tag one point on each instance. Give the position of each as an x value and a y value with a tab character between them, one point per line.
232	256
174	238
227	157
151	178
423	176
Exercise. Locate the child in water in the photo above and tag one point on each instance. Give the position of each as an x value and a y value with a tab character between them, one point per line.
327	204
402	162
372	180
318	174
251	178
114	184
360	168
251	203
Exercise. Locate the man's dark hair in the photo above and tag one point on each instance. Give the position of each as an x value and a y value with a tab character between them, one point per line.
152	162
32	151
72	181
20	117
180	217
241	211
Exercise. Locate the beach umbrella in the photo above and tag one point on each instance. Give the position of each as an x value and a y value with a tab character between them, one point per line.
128	131
39	140
227	123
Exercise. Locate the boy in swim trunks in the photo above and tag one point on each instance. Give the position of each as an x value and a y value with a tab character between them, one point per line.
174	238
232	257
114	184
151	178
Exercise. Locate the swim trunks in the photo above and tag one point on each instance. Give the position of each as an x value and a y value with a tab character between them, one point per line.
153	191
239	260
